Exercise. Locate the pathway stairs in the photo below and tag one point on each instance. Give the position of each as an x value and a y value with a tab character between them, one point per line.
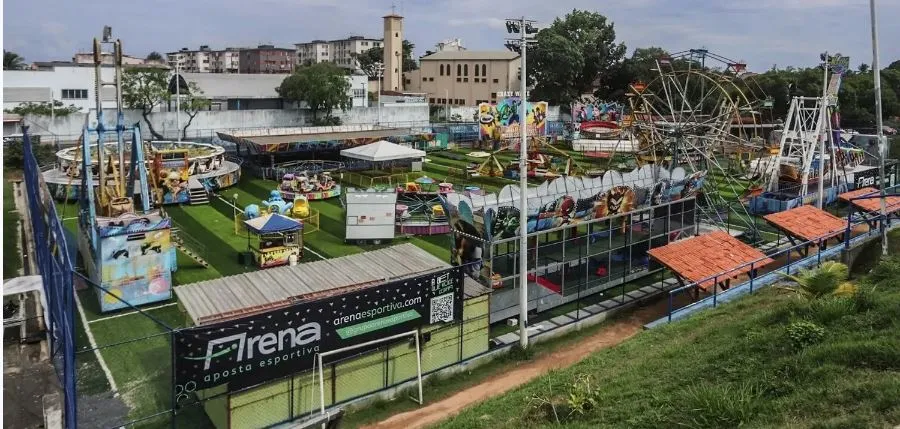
189	246
198	192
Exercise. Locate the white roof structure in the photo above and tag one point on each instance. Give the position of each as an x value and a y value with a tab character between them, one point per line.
225	85
382	150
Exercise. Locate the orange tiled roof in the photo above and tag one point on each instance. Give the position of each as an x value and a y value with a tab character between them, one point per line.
707	255
807	222
871	204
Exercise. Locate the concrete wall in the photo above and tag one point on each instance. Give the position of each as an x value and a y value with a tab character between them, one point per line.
205	124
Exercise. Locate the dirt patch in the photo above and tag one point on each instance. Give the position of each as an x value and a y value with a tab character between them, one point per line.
618	331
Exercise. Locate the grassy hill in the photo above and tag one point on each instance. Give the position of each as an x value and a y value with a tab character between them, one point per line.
770	360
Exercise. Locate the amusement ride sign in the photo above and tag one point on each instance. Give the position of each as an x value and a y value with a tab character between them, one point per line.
254	349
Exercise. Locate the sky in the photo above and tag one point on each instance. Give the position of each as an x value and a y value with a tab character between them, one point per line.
761	33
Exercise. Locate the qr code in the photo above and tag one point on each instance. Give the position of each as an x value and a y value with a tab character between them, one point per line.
442	308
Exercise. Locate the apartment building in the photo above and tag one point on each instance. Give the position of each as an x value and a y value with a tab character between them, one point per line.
465	78
192	61
340	52
267	59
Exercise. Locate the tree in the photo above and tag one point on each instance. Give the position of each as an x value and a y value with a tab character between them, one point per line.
863	68
368	59
323	87
192	103
145	89
12	61
155	56
829	279
57	108
589	44
638	67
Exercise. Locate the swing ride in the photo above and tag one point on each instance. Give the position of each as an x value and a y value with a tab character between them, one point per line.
124	242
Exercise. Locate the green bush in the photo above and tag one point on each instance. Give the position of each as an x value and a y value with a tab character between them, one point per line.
830	309
803	334
887	272
717	406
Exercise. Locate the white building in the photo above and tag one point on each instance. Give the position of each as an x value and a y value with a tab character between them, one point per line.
198	61
340	52
73	84
255	91
67	82
449	45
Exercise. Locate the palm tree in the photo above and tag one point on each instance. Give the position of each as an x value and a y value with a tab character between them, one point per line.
829	279
12	61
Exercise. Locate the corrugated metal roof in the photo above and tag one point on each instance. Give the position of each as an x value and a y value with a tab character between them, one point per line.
471	55
243	294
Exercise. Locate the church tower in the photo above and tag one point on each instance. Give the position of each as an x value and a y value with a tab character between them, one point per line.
393	52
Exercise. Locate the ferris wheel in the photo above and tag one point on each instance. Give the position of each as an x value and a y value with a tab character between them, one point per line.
704	112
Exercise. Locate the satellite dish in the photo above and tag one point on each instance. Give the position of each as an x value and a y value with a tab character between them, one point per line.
107	33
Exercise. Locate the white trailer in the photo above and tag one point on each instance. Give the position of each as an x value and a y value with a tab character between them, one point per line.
371	215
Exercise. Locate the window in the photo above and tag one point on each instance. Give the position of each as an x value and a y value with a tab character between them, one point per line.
359	93
424	79
448	69
465	79
476	69
496	80
442	69
459	69
431	101
431	79
493	95
74	94
466	70
483	80
483	70
459	79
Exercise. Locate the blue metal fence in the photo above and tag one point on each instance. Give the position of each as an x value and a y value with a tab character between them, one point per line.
55	268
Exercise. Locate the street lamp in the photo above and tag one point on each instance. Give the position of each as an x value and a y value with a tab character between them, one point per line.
525	30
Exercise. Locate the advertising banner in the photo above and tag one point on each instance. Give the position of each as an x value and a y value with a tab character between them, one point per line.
275	344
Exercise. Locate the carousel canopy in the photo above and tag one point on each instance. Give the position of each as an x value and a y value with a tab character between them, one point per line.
272	224
382	150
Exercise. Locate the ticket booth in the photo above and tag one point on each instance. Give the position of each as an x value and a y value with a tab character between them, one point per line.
277	238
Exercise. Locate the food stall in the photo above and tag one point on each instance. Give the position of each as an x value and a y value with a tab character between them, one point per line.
278	237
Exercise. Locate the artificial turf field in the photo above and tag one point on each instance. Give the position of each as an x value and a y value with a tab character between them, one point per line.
136	349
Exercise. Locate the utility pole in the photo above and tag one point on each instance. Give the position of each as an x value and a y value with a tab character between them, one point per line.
526	30
882	143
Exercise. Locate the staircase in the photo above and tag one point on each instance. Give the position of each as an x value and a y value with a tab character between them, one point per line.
198	192
179	243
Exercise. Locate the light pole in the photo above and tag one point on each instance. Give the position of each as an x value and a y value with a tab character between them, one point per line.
525	29
824	116
882	143
379	73
177	96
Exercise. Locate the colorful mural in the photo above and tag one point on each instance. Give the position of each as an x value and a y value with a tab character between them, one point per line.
137	260
502	121
590	109
220	182
568	200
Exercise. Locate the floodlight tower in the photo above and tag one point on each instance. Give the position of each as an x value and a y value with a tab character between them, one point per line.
525	29
882	143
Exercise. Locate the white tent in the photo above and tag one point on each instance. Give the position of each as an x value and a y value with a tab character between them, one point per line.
382	150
